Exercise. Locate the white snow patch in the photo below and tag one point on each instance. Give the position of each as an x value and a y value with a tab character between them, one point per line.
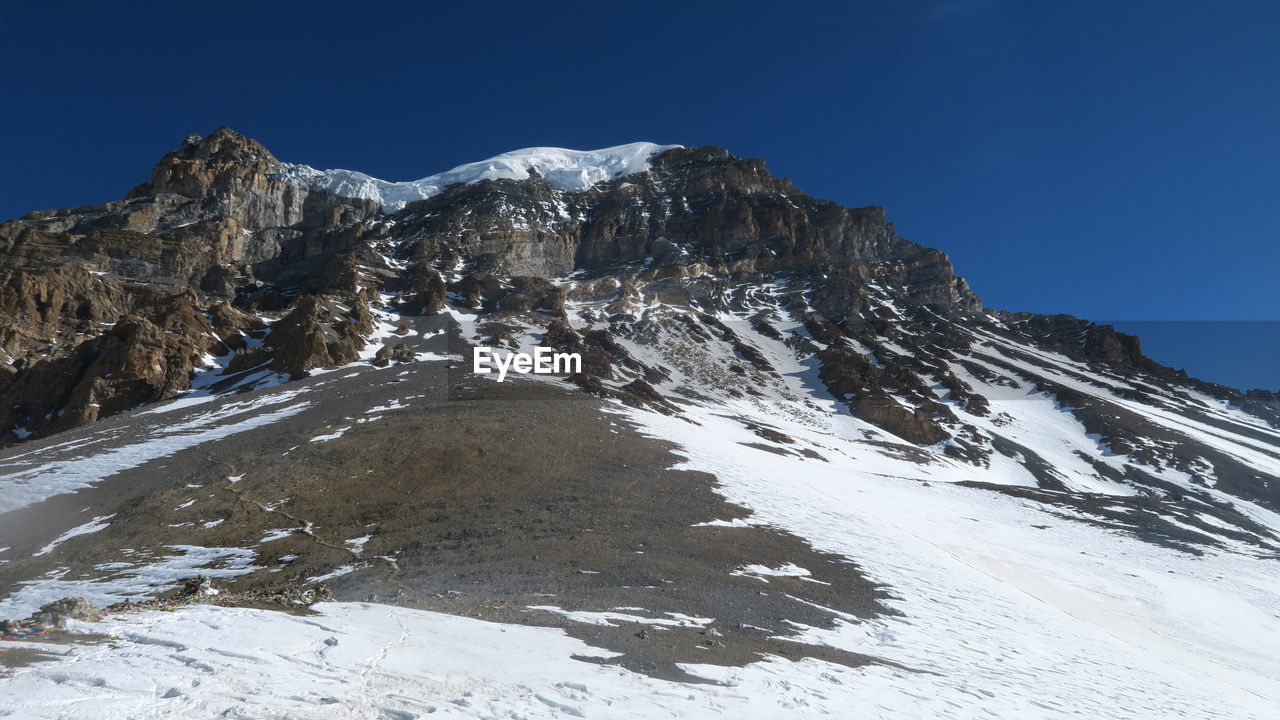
130	581
614	618
763	572
278	534
338	572
566	169
41	478
94	525
331	436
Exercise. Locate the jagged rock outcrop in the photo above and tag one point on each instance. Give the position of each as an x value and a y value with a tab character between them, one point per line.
319	333
426	292
89	295
233	177
148	355
697	210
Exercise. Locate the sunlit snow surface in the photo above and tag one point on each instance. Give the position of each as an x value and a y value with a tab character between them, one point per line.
29	478
372	661
566	169
1009	610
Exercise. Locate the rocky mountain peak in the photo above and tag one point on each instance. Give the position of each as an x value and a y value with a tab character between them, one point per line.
230	176
203	166
222	223
223	145
291	267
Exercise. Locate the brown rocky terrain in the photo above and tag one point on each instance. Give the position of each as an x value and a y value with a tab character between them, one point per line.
469	508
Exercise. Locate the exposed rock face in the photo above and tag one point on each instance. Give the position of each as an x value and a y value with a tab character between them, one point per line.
105	307
233	177
428	292
148	355
318	334
697	210
219	253
1083	340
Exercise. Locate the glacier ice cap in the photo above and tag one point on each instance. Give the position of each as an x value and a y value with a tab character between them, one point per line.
566	169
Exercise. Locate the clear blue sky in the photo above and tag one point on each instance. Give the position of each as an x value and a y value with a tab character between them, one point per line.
1105	159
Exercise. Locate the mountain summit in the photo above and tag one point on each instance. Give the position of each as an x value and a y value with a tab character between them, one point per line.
565	169
223	229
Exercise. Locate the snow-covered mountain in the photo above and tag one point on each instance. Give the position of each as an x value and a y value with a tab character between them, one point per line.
565	169
802	471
